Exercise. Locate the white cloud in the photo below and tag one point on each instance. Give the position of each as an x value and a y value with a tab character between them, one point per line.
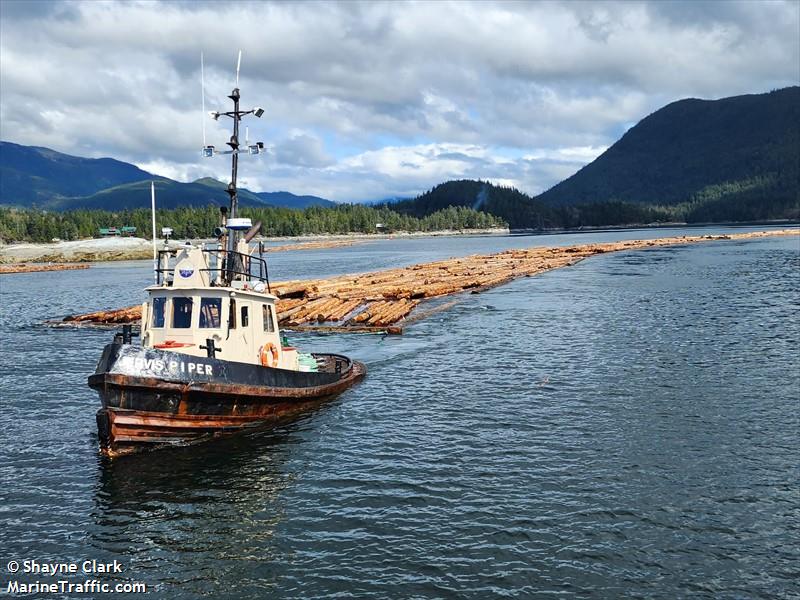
176	171
303	150
577	154
379	99
402	171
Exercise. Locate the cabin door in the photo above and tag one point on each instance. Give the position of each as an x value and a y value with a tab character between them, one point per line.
240	340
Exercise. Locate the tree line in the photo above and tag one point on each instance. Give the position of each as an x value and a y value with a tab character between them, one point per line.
457	205
34	225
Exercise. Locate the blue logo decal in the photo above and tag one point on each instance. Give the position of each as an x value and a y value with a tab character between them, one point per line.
186	272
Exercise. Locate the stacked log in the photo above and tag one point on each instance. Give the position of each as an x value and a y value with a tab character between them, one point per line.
379	300
286	307
381	313
344	309
319	310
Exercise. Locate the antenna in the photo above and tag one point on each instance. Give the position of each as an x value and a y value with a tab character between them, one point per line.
203	95
238	65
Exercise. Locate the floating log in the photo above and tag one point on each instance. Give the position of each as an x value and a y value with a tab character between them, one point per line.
313	245
392	330
380	300
36	268
124	315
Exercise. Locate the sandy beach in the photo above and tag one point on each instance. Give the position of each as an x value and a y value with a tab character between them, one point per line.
79	251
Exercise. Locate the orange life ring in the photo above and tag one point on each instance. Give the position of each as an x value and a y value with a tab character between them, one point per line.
269	351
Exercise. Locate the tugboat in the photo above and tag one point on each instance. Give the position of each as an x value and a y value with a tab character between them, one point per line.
211	359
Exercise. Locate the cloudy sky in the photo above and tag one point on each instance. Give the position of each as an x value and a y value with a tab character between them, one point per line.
374	100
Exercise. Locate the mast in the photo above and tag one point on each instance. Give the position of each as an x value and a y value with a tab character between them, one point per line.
233	262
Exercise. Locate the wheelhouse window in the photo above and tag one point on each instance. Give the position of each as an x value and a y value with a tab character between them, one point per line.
181	313
210	313
269	323
159	308
245	317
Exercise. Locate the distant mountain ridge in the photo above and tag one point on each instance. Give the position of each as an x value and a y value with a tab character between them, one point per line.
284	199
35	176
292	200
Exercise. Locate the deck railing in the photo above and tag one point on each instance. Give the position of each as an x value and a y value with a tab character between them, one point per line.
234	265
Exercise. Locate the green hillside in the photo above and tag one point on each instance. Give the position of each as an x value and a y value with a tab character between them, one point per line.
738	148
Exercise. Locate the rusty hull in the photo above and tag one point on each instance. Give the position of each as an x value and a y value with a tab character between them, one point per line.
141	413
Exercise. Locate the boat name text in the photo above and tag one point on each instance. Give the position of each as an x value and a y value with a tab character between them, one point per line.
157	365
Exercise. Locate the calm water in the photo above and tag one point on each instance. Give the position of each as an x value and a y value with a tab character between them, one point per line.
625	427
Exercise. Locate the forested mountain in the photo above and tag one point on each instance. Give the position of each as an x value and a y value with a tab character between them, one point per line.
44	178
517	209
739	150
31	175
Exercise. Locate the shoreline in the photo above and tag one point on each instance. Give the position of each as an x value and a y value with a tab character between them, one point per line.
98	250
133	248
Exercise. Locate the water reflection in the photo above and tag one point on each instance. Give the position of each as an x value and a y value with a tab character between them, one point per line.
249	461
218	501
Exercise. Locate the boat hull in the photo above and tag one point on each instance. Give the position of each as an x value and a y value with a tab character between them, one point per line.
149	399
